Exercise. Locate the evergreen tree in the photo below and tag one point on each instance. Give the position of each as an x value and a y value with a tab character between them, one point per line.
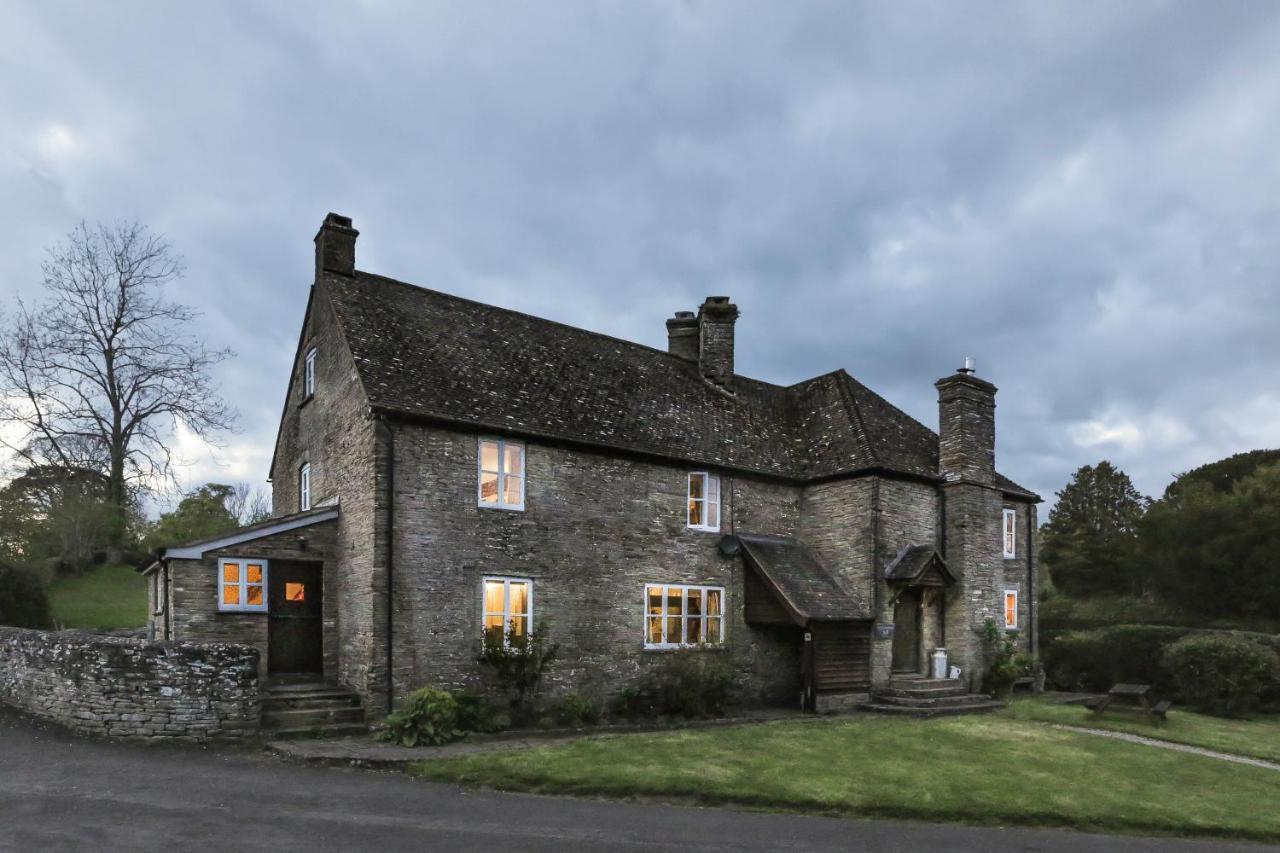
1090	542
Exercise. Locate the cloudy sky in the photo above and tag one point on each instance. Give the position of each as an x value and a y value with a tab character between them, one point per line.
1083	197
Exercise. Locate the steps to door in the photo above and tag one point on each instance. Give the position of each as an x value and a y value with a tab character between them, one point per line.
309	708
917	696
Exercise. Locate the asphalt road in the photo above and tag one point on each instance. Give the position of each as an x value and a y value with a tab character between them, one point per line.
60	792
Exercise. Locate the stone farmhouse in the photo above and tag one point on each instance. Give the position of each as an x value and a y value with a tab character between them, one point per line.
445	468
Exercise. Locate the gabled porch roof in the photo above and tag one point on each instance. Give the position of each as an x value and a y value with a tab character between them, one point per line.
270	527
804	588
919	565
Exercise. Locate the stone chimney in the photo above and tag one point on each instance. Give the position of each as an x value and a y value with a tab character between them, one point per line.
682	335
716	319
336	246
966	427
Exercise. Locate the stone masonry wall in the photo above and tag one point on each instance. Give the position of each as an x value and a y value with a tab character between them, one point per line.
131	688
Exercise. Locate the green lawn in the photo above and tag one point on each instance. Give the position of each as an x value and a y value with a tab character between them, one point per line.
1257	738
103	598
988	770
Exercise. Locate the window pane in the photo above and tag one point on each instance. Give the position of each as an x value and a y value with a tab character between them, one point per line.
514	460
655	600
654	630
231	572
693	630
695	487
713	489
254	596
493	629
231	594
693	602
514	490
713	515
292	592
713	631
253	574
674	634
713	601
695	513
493	599
675	601
489	455
489	488
519	598
517	625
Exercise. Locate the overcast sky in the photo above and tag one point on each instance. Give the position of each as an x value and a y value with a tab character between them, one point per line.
1083	197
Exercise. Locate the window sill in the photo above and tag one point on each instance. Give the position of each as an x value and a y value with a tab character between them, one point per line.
305	400
504	507
717	648
693	529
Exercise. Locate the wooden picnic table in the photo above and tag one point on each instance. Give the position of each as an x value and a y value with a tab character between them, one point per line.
1137	696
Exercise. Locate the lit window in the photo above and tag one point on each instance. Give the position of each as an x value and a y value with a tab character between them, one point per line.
309	374
704	501
1011	609
242	584
678	615
1010	533
304	487
508	609
501	465
295	591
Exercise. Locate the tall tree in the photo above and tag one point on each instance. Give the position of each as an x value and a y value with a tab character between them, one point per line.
204	513
1090	542
97	374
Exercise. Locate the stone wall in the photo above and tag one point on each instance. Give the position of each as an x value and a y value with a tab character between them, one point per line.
131	688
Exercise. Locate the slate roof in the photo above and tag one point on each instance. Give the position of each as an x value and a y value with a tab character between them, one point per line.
427	354
913	562
799	579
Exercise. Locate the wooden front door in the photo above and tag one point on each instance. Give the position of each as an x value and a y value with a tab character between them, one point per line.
906	632
295	630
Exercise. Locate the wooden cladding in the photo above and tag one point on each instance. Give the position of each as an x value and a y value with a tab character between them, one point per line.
841	656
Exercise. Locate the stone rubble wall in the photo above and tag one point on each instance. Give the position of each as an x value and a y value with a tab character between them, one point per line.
131	688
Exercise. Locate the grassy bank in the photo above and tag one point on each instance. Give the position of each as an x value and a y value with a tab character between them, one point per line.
1257	738
984	770
106	597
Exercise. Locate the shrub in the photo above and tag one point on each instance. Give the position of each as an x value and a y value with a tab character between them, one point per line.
1095	660
519	665
24	603
575	709
430	717
1007	666
1222	674
691	683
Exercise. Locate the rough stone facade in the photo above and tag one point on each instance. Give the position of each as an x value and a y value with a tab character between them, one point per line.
131	688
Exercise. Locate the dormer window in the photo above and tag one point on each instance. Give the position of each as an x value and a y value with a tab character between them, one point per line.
309	374
304	487
1010	534
501	469
704	501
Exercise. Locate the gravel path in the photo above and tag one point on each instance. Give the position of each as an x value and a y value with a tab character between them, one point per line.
1167	744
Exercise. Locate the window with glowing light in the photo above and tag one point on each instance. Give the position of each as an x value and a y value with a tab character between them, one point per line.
704	501
1011	609
508	609
679	616
501	469
242	585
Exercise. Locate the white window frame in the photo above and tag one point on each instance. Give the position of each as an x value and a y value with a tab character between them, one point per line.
304	487
501	502
309	374
506	582
1004	609
684	617
243	563
1009	533
705	500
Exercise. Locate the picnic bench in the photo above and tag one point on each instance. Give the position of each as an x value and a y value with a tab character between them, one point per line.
1134	696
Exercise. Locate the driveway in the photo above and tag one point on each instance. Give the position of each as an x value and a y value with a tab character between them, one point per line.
60	792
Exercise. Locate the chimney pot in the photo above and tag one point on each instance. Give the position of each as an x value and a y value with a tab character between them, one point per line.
682	335
336	246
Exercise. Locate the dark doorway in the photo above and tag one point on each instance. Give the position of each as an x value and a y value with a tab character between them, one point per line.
295	604
906	632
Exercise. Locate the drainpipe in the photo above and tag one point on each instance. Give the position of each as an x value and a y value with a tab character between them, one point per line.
942	547
1033	643
391	555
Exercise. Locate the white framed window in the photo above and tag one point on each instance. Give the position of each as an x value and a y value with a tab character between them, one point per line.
242	585
680	615
1010	527
304	487
309	374
1011	610
507	609
501	473
704	501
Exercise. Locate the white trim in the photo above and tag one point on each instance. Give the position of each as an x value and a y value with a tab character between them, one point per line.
506	614
199	549
242	565
1004	609
704	617
501	473
309	374
705	500
304	487
1009	533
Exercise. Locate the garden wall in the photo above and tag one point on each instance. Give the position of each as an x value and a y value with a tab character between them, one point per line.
131	688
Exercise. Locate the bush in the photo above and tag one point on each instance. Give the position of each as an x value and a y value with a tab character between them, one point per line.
690	683
575	709
24	603
1223	674
1007	666
430	717
1095	660
519	665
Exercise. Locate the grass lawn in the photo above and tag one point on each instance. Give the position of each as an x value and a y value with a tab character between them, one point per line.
105	597
988	770
1256	738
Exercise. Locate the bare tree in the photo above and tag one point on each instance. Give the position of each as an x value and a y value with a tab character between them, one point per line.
97	375
249	504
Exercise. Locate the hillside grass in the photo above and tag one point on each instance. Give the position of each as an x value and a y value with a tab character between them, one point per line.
103	598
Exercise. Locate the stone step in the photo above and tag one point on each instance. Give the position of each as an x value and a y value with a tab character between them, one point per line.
922	691
342	699
929	701
288	687
978	707
333	730
311	717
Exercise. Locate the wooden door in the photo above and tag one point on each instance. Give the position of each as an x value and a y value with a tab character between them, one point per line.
906	632
295	603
